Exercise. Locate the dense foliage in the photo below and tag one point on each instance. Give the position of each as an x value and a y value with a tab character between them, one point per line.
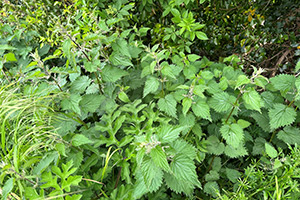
182	99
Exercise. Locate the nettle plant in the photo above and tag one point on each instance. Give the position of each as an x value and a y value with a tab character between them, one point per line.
140	120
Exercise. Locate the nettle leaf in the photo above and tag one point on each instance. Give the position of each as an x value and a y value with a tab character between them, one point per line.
270	150
201	109
121	46
221	102
283	82
259	146
112	74
290	135
262	120
281	115
212	176
184	177
186	104
214	146
72	103
151	85
252	100
232	174
212	188
152	175
168	105
80	139
80	84
242	80
182	147
91	102
233	134
168	133
159	158
232	152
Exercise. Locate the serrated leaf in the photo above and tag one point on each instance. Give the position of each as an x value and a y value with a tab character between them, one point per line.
283	82
152	175
262	120
121	46
259	146
290	135
212	176
221	102
123	97
186	104
201	109
91	102
214	146
80	139
45	162
151	85
80	84
168	105
168	133
243	123
235	152
232	175
72	103
159	158
212	188
112	74
252	100
182	147
233	134
118	59
270	150
281	115
242	80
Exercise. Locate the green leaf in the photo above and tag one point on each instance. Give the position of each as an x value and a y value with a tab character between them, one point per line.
151	85
290	135
283	82
212	176
193	57
242	80
159	158
119	59
233	134
121	46
168	133
45	162
281	115
182	147
201	36
123	97
80	139
80	84
7	188
10	57
112	74
4	47
168	105
259	146
235	152
243	123
262	120
212	188
221	102
91	102
214	146
184	177
72	103
232	174
152	175
252	100
270	150
186	103
201	109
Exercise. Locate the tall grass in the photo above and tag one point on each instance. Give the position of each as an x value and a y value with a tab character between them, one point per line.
26	136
